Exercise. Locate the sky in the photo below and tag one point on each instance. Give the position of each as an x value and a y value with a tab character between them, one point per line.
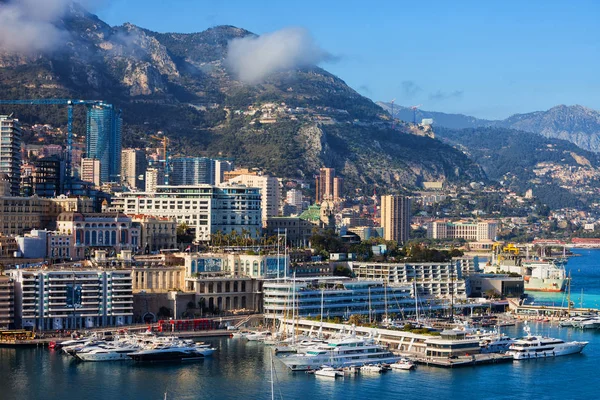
487	58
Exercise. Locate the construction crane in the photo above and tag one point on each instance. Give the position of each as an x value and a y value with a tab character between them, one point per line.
69	103
165	142
414	108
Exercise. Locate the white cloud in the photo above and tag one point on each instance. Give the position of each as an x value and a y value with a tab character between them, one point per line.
28	26
251	59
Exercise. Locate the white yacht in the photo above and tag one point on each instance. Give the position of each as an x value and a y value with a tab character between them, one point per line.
592	323
403	364
117	353
539	347
339	353
259	336
495	343
329	372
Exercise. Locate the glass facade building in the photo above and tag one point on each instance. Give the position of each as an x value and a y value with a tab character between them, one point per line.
103	140
192	171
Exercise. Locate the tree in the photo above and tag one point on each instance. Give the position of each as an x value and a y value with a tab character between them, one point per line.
355	319
342	270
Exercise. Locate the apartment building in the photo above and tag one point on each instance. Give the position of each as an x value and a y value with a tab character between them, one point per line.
269	190
50	299
6	302
440	280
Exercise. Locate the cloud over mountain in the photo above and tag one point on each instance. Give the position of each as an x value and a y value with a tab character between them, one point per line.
253	58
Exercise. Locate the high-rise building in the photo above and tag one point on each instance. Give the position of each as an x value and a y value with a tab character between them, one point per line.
91	170
47	177
154	178
269	190
133	167
103	140
328	186
10	152
222	166
192	171
337	188
395	217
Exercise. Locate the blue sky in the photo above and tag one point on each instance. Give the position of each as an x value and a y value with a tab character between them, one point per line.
489	59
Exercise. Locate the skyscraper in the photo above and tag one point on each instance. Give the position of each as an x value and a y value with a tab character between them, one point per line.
192	171
103	140
133	166
10	151
395	218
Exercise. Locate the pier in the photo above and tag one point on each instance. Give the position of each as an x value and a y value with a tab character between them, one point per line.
461	361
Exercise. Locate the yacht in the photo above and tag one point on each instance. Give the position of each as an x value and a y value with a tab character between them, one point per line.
339	353
115	353
168	352
591	323
538	347
329	372
372	368
403	364
259	336
495	343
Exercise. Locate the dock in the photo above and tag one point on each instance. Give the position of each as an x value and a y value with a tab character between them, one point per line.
461	361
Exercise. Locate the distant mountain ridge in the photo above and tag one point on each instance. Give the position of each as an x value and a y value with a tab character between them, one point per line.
576	124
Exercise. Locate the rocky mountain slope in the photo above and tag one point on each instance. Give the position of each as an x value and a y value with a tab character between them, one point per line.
179	84
576	124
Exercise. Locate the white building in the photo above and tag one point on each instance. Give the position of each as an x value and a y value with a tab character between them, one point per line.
205	209
90	170
294	197
440	280
50	299
45	244
269	190
154	178
468	230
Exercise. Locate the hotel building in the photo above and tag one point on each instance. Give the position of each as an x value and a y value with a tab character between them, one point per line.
205	209
469	230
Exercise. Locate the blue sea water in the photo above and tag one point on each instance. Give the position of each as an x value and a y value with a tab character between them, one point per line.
584	268
241	370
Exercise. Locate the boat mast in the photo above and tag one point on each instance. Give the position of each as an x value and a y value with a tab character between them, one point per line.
293	307
569	295
385	305
272	379
370	305
278	236
416	303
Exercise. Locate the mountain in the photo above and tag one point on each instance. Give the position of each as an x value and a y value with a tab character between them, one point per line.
452	121
560	173
576	124
181	84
